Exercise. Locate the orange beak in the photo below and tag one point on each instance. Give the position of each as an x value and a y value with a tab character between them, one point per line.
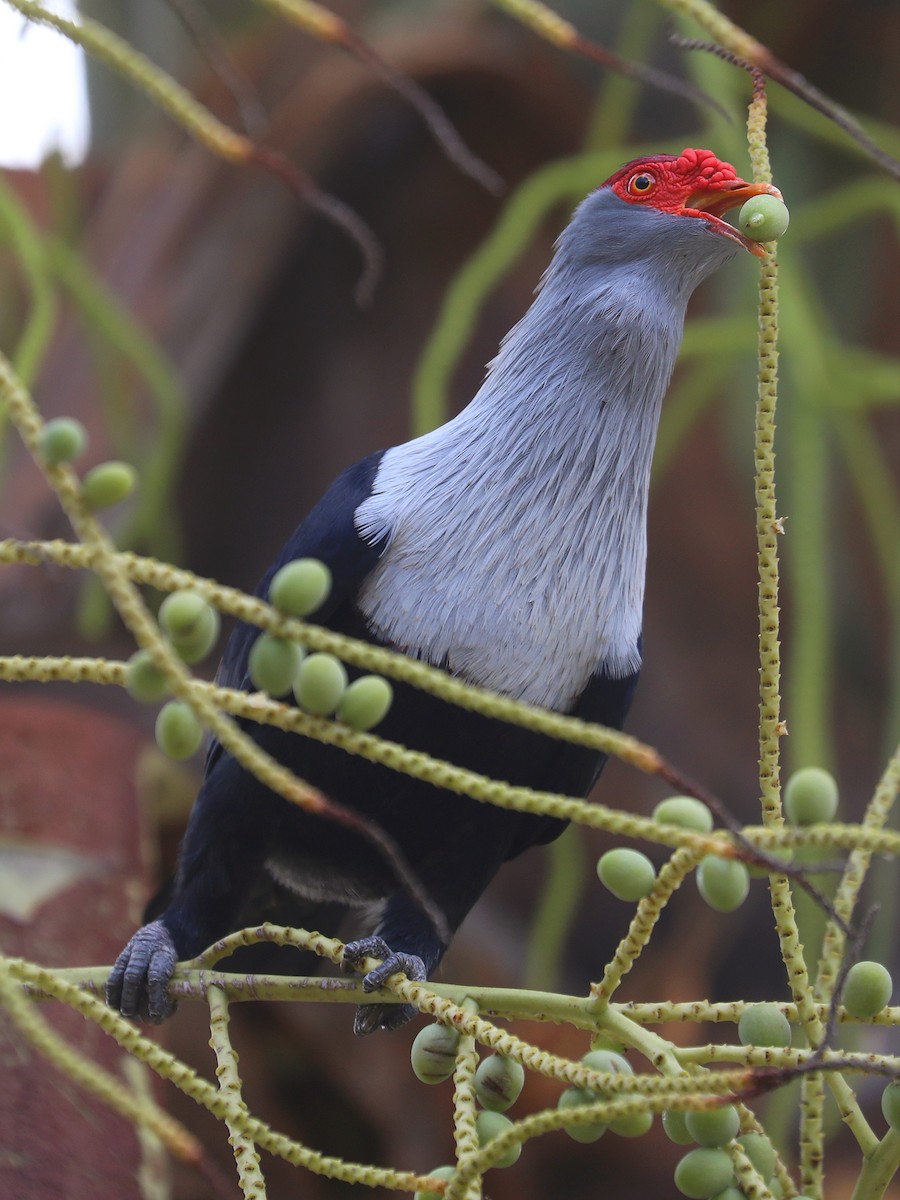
711	204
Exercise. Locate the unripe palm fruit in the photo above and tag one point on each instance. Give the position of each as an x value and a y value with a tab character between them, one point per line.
498	1082
608	1060
759	1150
300	587
764	218
684	811
178	732
628	874
810	797
62	439
191	624
723	882
764	1025
890	1104
633	1125
713	1126
489	1125
702	1173
576	1098
675	1126
366	702
320	684
273	664
143	679
433	1053
108	483
867	989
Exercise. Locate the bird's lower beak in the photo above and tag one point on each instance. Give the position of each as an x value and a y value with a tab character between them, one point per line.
712	204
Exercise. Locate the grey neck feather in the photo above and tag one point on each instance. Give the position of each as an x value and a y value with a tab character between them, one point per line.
517	531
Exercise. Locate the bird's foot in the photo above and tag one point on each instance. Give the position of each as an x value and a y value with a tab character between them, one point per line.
138	985
370	1017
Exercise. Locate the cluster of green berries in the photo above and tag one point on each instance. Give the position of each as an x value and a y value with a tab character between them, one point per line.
764	218
708	1171
634	1124
276	665
319	681
64	439
498	1083
810	798
629	874
192	626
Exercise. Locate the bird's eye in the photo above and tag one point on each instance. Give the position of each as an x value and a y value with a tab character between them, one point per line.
640	185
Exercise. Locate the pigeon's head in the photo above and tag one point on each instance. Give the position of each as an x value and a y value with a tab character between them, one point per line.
694	185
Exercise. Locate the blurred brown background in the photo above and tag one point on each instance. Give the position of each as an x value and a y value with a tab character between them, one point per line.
287	381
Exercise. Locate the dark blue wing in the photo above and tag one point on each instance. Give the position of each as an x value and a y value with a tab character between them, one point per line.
329	534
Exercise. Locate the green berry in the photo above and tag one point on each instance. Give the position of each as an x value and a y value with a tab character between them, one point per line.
433	1053
178	732
608	1060
62	439
437	1173
890	1104
191	623
810	797
723	882
713	1126
108	483
675	1126
143	679
635	1124
498	1082
686	812
489	1125
763	218
867	989
366	702
628	874
702	1173
273	664
759	1150
576	1098
764	1025
181	612
300	587
730	1193
320	684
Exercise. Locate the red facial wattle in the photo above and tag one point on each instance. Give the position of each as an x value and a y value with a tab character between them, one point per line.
694	184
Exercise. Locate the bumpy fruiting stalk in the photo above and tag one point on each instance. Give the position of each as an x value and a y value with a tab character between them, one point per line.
876	815
465	1135
200	1090
644	921
133	611
246	1156
201	124
255	707
181	1144
373	658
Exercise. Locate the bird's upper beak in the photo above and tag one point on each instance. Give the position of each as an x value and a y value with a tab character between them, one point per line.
711	203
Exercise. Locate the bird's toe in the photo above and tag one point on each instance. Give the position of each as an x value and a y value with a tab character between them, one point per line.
138	985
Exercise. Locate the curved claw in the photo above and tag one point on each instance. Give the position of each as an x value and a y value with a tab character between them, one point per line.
138	985
370	1017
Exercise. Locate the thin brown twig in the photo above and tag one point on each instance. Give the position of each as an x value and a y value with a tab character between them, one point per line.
203	33
332	209
436	120
780	72
853	950
650	76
